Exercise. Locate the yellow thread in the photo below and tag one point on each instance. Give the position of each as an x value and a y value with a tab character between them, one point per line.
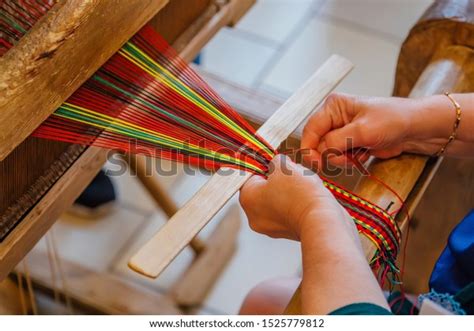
213	110
123	125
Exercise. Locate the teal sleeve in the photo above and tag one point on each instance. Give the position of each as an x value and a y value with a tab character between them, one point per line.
361	309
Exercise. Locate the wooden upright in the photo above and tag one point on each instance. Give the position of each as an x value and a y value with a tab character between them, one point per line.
437	57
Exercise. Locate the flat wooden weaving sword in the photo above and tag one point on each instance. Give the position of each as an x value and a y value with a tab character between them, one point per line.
168	242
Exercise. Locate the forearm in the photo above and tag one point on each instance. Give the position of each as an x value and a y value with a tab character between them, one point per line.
335	272
433	123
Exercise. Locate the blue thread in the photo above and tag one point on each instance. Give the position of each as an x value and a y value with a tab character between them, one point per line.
445	300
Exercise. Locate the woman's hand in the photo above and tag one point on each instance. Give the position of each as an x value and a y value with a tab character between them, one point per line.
385	127
293	203
292	200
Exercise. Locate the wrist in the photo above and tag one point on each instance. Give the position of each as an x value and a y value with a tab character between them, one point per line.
327	228
330	243
430	125
318	219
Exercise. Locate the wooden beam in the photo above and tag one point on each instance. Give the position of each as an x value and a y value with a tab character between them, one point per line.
59	54
444	73
206	32
35	224
434	219
153	258
98	292
445	23
241	7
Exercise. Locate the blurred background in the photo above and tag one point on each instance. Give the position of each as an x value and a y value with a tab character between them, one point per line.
273	49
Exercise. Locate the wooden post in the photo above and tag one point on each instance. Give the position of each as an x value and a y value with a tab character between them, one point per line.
10	301
189	220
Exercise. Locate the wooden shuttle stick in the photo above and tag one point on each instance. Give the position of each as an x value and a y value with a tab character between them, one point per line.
165	245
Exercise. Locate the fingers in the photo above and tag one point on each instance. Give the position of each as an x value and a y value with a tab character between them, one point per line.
388	153
281	165
335	144
276	205
348	137
280	168
337	111
251	192
359	157
319	124
311	156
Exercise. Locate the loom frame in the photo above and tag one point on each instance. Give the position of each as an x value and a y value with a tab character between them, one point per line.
71	183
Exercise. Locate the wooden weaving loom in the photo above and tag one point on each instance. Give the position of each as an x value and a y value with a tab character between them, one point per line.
40	179
61	169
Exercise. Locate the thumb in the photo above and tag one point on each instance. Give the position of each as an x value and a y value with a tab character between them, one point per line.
347	137
251	191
